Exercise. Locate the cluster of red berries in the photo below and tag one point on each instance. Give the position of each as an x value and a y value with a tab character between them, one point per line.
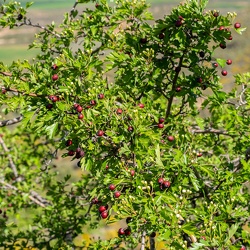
163	184
223	46
160	122
78	152
112	187
103	210
124	232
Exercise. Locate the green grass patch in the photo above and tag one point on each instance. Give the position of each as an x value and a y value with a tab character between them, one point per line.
10	53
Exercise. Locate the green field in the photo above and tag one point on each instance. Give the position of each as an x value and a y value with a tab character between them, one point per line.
14	44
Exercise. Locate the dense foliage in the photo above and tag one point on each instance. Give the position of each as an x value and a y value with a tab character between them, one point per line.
139	104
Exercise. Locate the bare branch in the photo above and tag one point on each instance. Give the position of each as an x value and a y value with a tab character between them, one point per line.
11	122
170	100
33	196
10	74
12	165
73	8
197	130
29	23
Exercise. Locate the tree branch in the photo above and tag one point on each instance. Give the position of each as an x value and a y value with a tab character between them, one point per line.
11	122
170	101
29	23
152	243
197	130
143	240
33	196
12	165
73	8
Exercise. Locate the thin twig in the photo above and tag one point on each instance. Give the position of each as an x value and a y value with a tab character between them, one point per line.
10	74
170	101
197	130
73	8
33	196
12	165
11	121
29	23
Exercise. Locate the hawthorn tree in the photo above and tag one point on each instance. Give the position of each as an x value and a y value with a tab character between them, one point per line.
125	98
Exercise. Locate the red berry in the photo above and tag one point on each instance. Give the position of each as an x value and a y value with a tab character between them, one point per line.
132	172
101	96
111	187
117	194
104	214
229	62
130	129
224	72
94	200
216	14
127	231
221	28
121	231
178	89
4	90
141	105
69	142
161	120
101	209
80	116
160	125
161	35
71	152
199	154
53	98
166	184
178	23
54	77
170	138
79	154
215	65
75	105
237	25
100	133
199	80
160	180
230	37
223	45
49	106
92	102
119	111
54	66
79	109
243	248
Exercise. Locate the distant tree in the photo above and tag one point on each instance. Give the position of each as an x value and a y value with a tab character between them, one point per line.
120	95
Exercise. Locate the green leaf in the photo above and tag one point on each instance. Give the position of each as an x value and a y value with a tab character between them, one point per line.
52	130
28	4
221	62
194	181
158	156
240	30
